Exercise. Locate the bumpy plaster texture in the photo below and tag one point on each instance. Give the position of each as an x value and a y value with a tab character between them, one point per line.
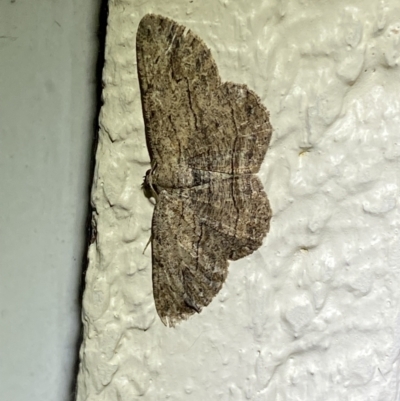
313	314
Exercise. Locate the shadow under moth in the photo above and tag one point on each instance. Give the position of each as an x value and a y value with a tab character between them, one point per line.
206	141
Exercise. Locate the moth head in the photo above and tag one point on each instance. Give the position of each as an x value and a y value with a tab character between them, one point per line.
150	190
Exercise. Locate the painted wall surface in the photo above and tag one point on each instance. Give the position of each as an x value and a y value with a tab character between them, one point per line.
313	314
48	52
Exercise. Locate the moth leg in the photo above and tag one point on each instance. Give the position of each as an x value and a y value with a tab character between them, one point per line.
148	242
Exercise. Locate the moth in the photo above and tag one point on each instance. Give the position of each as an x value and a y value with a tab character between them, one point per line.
206	140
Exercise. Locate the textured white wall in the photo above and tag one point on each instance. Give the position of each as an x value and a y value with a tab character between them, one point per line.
48	51
313	315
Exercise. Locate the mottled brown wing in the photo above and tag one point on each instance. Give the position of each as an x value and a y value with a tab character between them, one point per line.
191	118
195	232
234	131
237	208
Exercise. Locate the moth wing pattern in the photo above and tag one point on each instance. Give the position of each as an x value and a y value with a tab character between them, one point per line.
171	59
235	132
226	127
195	232
206	139
238	209
188	268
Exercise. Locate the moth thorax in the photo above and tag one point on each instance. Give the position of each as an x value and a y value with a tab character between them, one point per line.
169	178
